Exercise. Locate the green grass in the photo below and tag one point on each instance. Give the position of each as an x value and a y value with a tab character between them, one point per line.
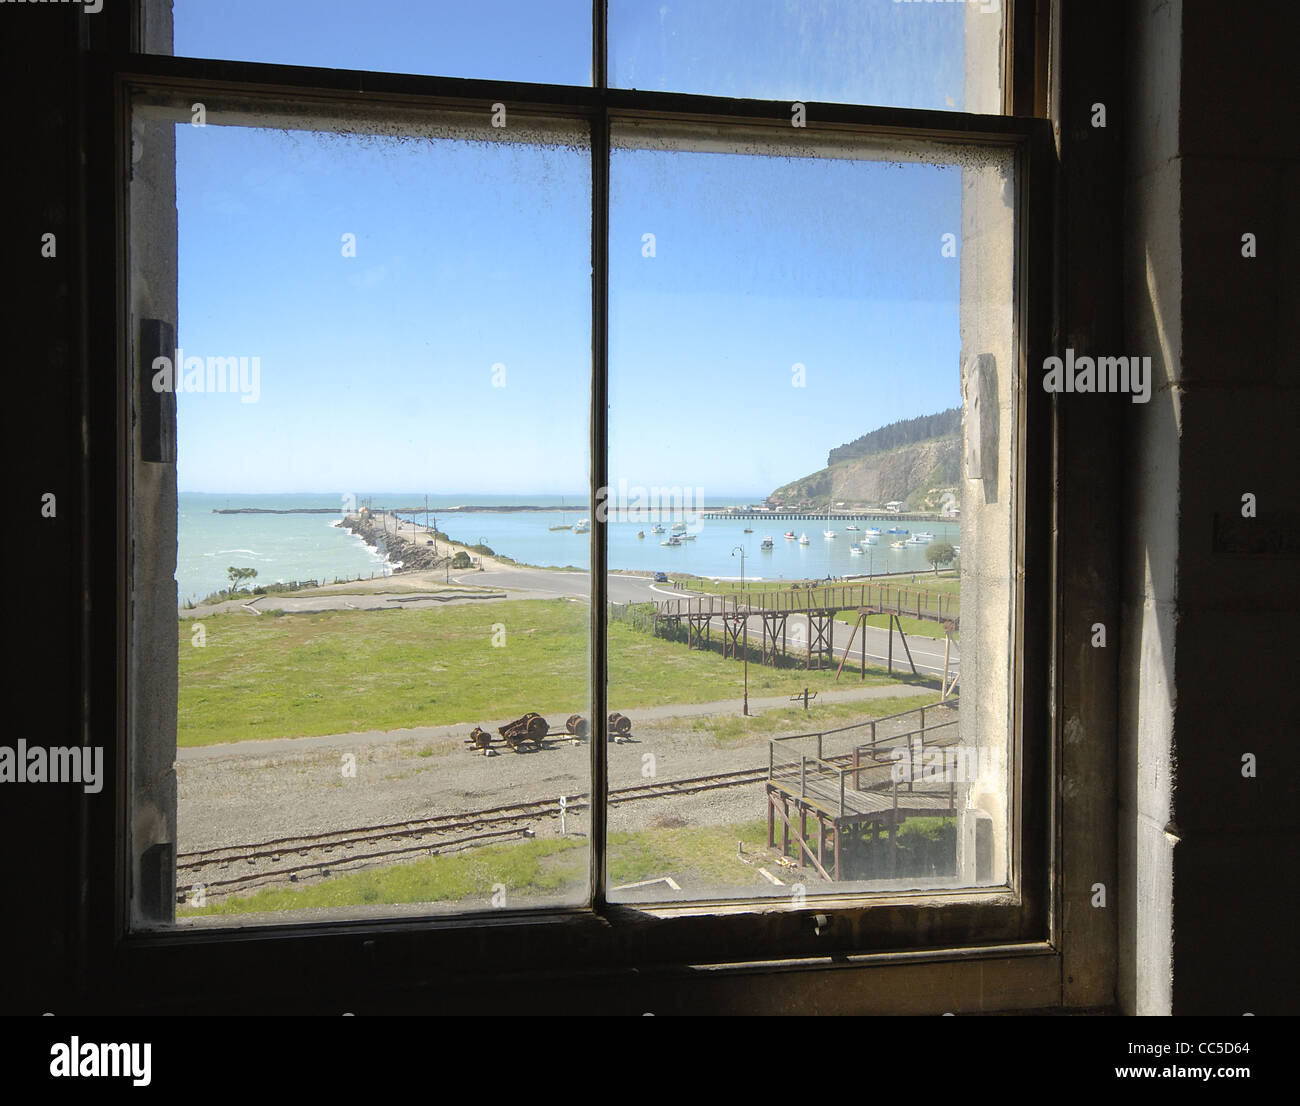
529	869
707	852
303	675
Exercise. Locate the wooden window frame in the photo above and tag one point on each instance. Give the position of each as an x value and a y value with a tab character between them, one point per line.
919	952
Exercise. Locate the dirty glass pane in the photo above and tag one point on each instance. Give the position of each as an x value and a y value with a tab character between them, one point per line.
884	52
379	373
797	337
511	40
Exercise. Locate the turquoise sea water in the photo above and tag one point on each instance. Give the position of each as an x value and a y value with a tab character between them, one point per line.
299	547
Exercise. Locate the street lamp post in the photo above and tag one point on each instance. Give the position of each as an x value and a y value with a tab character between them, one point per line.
745	645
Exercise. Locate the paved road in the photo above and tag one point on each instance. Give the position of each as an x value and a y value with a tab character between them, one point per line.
499	581
549	583
926	652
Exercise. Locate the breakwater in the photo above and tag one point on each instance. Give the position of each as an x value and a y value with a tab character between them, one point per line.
379	532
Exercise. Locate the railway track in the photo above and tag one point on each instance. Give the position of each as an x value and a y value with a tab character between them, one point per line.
319	853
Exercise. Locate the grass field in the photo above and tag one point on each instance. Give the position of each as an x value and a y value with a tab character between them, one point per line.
528	869
302	675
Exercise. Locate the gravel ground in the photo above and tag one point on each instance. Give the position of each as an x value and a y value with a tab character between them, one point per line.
253	791
233	795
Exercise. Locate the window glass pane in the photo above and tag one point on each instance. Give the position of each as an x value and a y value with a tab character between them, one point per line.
804	340
514	40
914	55
382	343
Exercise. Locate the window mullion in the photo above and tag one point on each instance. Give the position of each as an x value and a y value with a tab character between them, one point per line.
599	485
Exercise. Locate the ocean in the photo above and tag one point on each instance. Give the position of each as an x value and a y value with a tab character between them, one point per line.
300	547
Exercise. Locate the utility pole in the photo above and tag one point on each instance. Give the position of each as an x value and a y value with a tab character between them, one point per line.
745	706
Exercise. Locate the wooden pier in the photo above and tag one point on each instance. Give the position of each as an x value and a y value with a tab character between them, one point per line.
782	515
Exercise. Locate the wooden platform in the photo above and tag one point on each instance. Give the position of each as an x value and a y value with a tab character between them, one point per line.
856	790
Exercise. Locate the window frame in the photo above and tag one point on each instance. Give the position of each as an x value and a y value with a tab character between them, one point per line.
966	931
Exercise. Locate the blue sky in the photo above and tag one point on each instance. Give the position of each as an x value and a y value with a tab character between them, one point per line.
377	371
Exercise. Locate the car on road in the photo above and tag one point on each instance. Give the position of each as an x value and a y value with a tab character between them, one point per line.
661	577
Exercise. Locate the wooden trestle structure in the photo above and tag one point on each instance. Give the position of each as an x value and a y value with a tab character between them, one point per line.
853	792
819	606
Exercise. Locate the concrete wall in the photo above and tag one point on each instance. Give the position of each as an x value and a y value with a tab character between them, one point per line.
1207	854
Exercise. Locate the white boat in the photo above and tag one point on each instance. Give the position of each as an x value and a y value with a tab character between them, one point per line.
957	549
767	543
788	535
583	526
874	531
924	535
656	529
853	526
679	527
869	541
674	540
686	537
828	534
803	539
854	551
897	545
564	523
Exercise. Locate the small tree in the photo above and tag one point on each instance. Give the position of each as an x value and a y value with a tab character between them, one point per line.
461	560
239	575
939	553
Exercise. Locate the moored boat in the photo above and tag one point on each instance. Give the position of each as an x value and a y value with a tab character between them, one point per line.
766	544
